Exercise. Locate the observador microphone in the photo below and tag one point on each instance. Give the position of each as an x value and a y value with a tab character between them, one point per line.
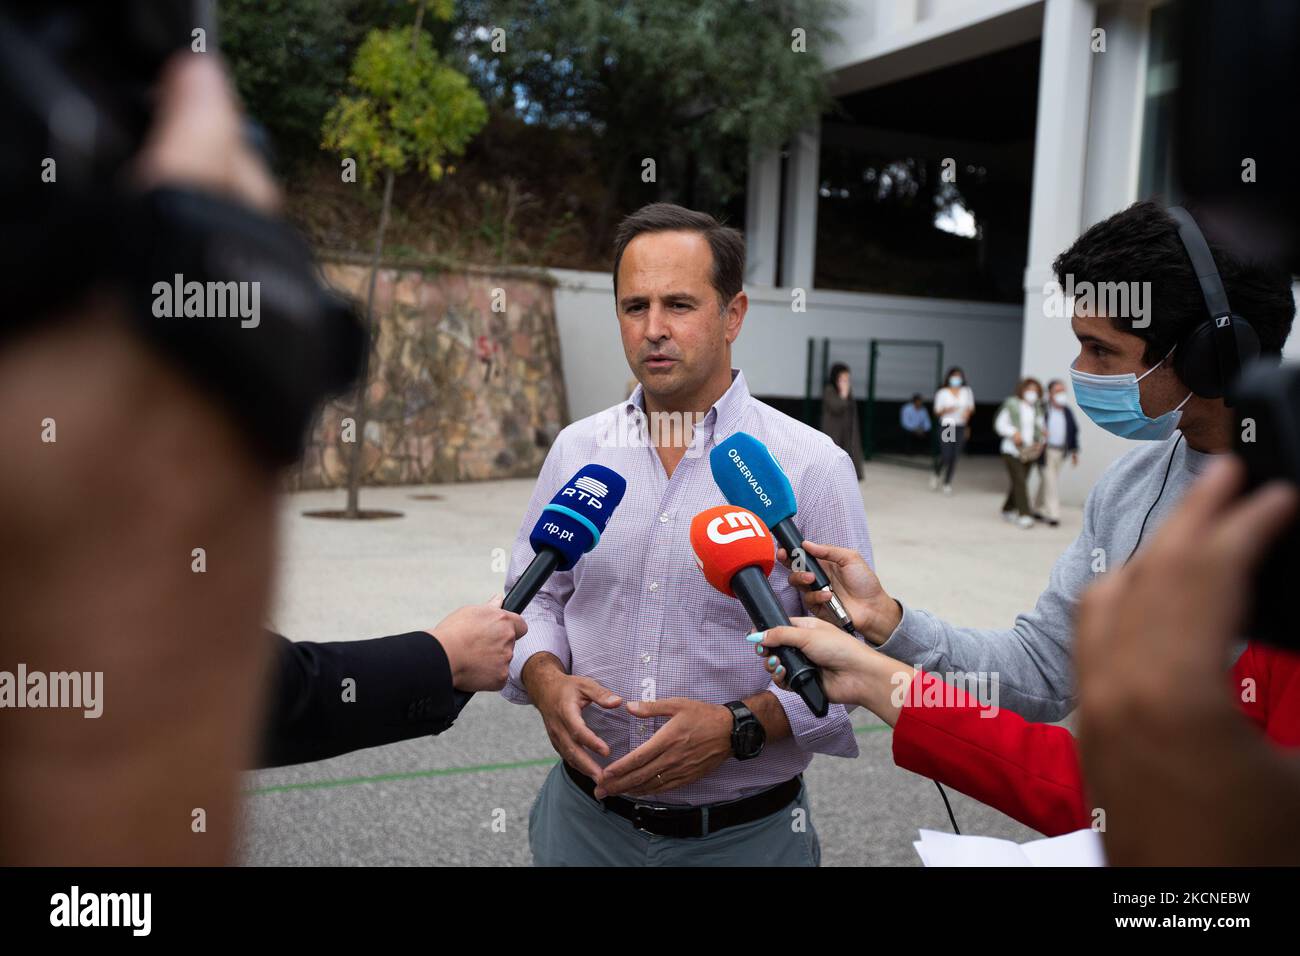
736	554
750	477
568	528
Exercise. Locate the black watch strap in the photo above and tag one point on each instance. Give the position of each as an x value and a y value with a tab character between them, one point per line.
745	729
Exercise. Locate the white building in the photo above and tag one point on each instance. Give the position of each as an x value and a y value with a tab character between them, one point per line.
1051	132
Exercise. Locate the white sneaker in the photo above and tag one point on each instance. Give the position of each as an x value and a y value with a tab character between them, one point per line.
934	482
947	489
1008	516
1025	521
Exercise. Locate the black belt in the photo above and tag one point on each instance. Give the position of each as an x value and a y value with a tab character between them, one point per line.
692	821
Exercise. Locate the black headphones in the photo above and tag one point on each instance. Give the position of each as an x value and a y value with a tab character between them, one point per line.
1210	357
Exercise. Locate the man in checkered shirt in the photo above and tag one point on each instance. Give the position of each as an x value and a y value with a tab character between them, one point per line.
676	747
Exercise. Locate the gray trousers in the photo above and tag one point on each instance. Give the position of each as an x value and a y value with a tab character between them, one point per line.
568	828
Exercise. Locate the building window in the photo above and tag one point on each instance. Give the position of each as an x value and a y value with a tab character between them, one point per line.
925	184
1156	177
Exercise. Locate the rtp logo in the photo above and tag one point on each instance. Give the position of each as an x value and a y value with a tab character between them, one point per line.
588	491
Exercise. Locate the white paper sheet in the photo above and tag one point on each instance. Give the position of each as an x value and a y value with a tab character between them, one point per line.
1080	848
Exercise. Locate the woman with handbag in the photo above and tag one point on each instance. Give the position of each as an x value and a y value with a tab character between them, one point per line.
1021	424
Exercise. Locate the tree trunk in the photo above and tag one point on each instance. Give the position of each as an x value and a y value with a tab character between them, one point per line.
372	330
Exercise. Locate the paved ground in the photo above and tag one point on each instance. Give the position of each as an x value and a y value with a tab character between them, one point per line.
434	801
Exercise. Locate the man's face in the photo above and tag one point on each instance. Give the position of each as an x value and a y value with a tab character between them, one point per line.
675	335
1058	394
1104	350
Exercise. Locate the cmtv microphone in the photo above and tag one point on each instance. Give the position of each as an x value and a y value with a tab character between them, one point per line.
568	528
736	554
750	477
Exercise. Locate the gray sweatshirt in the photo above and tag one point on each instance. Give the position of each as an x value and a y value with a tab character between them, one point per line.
1032	660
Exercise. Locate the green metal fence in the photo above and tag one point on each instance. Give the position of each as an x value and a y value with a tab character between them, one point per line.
885	373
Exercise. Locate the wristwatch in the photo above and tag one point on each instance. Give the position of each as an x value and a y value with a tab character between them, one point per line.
747	734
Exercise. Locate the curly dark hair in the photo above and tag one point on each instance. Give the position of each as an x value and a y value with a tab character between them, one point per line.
1141	244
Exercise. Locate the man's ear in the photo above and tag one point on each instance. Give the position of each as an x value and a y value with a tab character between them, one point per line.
734	317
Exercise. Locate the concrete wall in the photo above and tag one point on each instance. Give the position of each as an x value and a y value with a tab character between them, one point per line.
984	338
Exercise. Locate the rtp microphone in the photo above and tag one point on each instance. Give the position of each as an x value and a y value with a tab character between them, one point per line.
568	528
750	477
736	554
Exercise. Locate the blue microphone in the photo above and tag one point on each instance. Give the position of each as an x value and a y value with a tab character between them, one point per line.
568	528
750	477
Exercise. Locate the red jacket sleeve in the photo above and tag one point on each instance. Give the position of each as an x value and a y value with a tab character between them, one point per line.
1028	771
1266	683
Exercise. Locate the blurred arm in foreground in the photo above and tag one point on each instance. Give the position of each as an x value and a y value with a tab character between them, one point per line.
1182	777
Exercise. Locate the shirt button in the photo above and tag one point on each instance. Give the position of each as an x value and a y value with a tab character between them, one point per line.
663	518
641	727
645	658
654	585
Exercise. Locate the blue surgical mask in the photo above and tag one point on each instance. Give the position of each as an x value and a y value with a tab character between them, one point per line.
955	381
1115	403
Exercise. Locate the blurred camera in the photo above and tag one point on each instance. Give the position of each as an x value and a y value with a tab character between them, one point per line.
76	101
1268	440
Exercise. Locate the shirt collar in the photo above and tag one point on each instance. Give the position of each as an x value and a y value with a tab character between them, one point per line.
722	418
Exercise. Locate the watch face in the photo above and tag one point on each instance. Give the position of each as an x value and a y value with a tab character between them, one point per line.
749	739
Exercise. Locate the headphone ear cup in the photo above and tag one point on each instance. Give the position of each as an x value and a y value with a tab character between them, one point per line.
1247	340
1196	363
1196	359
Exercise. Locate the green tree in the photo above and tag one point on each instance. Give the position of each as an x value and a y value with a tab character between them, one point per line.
289	59
409	108
692	84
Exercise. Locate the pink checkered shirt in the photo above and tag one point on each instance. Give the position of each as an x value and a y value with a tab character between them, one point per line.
635	613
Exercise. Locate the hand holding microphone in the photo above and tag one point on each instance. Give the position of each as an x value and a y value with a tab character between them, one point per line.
852	672
749	477
479	641
734	550
874	613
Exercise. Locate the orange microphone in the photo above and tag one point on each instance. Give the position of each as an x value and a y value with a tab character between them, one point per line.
736	552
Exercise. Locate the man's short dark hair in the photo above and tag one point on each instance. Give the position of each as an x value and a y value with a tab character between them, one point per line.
1141	244
727	244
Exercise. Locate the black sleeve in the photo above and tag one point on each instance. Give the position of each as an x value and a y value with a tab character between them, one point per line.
1071	432
401	688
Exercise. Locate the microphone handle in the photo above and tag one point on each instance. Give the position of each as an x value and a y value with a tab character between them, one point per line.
802	676
534	576
790	538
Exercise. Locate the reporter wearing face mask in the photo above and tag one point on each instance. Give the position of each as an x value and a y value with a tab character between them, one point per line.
1021	425
1128	381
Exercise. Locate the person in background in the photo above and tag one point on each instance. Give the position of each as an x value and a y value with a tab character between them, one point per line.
840	414
954	403
915	419
1062	440
1020	423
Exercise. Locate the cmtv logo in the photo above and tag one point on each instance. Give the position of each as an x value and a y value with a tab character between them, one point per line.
746	523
